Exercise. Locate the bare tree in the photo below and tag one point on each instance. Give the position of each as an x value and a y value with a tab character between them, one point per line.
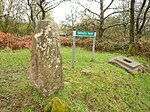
102	17
46	5
39	9
142	18
140	23
71	19
12	13
132	4
124	16
32	16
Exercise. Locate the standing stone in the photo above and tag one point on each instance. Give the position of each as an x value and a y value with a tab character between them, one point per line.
46	63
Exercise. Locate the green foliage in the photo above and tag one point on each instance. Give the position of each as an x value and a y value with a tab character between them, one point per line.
17	28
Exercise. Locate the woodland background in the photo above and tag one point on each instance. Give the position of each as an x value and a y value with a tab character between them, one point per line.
121	25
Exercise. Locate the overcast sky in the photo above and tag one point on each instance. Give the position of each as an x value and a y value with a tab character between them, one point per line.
63	9
60	11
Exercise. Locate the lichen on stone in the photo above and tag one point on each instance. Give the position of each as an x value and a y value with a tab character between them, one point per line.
58	60
48	28
49	66
38	35
56	105
45	50
56	66
49	41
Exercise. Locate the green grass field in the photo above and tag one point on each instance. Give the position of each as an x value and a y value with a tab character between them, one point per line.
103	88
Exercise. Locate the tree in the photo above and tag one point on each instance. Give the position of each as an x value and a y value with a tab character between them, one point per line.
102	16
142	18
132	4
140	23
71	19
12	14
124	17
46	5
33	11
40	9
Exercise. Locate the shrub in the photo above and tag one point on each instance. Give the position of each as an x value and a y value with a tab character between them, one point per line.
13	42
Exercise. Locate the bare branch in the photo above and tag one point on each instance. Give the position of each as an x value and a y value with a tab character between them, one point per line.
108	5
115	13
52	7
138	17
96	1
40	5
144	18
97	19
114	25
88	9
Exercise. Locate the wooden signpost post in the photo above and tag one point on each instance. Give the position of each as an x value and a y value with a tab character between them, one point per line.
82	34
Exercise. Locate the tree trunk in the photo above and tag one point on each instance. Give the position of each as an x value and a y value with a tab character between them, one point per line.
43	15
132	21
140	25
101	30
132	46
124	32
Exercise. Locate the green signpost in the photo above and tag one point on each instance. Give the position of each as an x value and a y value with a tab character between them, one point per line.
81	34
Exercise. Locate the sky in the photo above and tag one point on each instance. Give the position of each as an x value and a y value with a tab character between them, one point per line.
60	12
63	9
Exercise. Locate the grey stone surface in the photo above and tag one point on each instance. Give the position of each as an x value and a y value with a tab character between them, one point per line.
45	61
127	64
86	71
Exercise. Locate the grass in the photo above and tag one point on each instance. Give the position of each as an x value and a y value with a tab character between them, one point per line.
104	87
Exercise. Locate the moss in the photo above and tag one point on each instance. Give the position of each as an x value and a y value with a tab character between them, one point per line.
56	105
133	49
